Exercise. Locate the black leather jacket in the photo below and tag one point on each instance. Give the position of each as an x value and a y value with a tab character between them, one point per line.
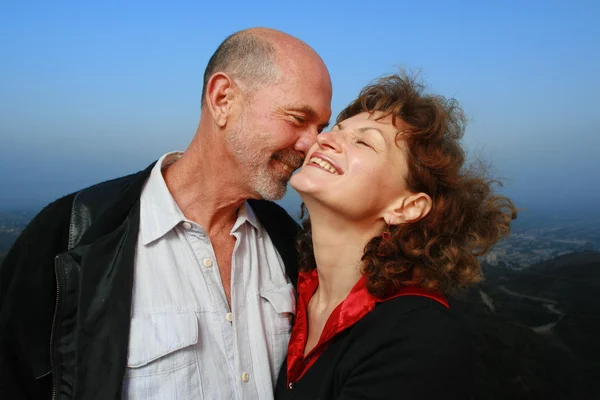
66	287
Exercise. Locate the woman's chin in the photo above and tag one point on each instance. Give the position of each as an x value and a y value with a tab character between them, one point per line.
311	190
307	195
301	184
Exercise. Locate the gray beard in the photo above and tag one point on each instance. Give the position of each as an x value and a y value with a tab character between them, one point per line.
256	170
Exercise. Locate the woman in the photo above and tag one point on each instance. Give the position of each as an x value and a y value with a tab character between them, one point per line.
396	222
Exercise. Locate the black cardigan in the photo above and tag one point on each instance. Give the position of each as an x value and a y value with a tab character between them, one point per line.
410	347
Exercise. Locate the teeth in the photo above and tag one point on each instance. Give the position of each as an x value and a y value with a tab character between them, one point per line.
324	164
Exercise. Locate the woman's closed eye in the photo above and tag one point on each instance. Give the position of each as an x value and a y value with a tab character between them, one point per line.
363	142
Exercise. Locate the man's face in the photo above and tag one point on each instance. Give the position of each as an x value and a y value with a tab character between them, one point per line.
277	125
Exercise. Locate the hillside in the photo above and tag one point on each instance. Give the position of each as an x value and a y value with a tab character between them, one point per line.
536	330
11	225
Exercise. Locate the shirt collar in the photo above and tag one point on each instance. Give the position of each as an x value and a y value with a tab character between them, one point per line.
246	214
356	305
159	213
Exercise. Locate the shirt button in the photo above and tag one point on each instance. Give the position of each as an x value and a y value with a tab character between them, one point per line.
187	225
229	317
245	377
208	262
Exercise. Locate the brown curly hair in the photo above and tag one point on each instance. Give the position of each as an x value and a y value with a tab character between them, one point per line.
438	252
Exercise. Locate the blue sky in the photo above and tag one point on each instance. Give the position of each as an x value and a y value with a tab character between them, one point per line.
93	90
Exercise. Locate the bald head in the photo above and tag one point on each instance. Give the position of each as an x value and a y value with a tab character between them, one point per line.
259	56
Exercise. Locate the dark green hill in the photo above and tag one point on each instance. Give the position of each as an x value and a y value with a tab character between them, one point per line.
537	329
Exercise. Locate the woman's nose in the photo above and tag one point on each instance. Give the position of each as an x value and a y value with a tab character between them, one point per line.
329	140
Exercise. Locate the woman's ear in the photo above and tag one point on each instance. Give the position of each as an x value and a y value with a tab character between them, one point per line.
409	209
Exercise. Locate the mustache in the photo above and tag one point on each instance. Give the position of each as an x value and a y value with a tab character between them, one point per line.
290	158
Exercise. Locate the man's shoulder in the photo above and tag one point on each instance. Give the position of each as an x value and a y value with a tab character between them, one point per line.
58	213
117	185
271	213
52	215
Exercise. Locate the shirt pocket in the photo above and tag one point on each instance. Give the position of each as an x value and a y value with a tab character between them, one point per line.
161	343
279	307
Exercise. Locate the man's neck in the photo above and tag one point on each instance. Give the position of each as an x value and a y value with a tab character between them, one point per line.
206	186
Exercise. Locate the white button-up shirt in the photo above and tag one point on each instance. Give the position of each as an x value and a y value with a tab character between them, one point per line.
185	341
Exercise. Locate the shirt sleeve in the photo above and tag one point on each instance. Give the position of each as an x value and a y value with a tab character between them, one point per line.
427	354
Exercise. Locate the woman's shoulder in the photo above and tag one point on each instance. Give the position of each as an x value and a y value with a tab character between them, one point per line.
404	345
410	315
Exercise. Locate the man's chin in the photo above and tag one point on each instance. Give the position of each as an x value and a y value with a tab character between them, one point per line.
278	193
275	190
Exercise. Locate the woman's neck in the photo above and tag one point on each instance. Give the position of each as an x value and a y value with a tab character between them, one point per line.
338	246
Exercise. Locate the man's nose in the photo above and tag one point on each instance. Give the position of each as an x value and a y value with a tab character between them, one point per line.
306	140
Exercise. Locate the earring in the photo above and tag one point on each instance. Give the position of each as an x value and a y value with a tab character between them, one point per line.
385	236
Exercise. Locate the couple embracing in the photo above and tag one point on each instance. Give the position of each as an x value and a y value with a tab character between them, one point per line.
186	281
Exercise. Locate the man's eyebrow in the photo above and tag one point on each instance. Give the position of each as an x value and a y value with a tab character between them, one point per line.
307	110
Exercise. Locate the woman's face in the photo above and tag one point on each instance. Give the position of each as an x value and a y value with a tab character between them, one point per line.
358	169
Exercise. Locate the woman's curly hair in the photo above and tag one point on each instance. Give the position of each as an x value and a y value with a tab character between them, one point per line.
440	251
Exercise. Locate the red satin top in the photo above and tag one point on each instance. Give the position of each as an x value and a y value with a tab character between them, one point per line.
358	303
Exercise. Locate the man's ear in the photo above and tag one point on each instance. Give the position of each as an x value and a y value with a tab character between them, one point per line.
408	209
220	91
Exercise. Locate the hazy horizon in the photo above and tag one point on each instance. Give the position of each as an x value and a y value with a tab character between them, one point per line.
93	92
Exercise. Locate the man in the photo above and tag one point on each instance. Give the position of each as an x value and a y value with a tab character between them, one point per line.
170	283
